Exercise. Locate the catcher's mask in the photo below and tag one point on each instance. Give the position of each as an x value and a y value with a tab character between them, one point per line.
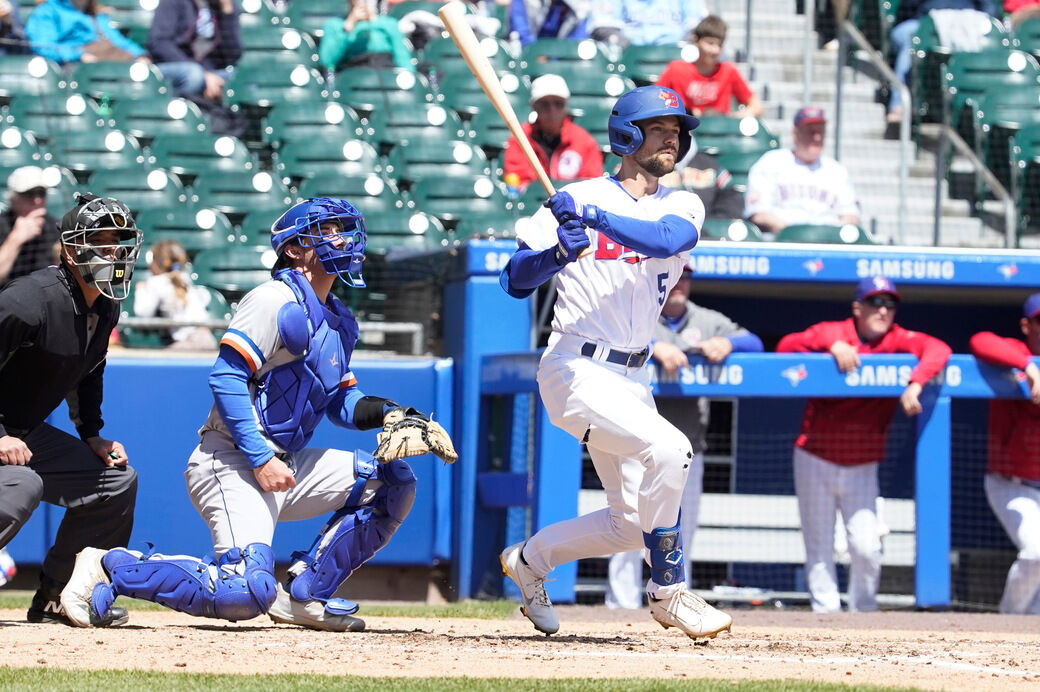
103	241
333	228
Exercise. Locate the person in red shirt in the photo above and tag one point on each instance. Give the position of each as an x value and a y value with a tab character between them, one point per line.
566	150
842	442
1013	465
707	85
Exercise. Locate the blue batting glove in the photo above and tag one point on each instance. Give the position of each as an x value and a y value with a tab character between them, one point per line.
591	216
562	207
573	239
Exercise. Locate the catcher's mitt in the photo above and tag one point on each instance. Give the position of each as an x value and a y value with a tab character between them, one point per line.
408	433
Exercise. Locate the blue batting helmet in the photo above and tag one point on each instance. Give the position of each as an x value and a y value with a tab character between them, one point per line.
644	103
302	222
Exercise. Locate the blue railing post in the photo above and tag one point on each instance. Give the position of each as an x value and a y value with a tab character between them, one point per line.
932	483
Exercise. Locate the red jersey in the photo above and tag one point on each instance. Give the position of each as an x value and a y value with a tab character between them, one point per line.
578	156
852	431
701	93
1013	448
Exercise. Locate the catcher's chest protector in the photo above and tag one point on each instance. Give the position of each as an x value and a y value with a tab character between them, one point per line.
291	397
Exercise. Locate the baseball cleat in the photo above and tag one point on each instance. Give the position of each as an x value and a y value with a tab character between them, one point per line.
86	601
311	614
690	613
536	605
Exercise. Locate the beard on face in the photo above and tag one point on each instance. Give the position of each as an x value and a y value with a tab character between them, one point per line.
656	166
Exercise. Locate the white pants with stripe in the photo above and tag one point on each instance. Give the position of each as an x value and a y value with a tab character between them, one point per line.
1017	506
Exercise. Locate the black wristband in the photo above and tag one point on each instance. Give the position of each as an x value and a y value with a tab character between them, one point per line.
370	410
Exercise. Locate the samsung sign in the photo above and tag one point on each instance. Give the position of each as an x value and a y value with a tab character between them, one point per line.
906	268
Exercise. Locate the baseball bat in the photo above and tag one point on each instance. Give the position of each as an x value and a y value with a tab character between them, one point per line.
453	14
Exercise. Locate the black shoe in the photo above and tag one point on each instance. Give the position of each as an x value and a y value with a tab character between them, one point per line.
46	608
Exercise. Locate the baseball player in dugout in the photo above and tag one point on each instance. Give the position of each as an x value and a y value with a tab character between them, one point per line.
842	442
592	376
283	365
684	329
54	330
1013	471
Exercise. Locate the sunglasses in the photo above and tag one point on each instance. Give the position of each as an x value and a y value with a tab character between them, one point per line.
881	302
34	193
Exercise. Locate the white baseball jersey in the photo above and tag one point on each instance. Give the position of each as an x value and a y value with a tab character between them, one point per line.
615	294
798	192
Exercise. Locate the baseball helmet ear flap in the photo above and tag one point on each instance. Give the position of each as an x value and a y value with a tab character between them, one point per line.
643	103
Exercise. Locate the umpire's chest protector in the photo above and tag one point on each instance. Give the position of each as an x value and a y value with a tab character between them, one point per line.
292	396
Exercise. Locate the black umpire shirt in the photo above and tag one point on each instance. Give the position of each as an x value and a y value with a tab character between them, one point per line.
46	355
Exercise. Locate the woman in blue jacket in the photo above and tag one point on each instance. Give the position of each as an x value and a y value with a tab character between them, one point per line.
69	31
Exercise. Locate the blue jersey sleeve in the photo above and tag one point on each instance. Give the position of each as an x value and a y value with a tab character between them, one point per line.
746	343
528	269
229	382
341	408
668	236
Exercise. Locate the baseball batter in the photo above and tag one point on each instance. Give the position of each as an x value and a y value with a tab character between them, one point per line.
283	365
1013	469
842	442
592	378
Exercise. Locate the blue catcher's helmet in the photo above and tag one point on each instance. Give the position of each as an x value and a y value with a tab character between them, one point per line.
302	222
644	103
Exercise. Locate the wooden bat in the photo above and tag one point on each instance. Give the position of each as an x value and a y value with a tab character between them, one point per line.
453	14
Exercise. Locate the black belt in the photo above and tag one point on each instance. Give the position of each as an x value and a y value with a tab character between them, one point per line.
626	358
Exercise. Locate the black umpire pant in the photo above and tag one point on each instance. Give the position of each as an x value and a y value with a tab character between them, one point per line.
98	500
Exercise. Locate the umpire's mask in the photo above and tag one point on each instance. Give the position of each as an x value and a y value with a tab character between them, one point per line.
103	241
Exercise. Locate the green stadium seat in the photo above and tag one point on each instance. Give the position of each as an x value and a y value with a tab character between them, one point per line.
54	113
969	75
738	163
834	235
118	81
193	154
734	230
266	80
194	229
236	193
441	57
60	198
1028	35
594	120
644	64
19	148
997	116
501	225
340	154
256	14
28	75
463	94
148	118
310	16
430	157
409	125
132	17
488	131
1025	175
99	149
233	270
404	231
310	121
371	194
453	199
377	88
139	188
550	55
285	43
717	134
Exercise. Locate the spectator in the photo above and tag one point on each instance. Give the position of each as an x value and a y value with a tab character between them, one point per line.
567	151
71	31
708	84
1020	10
534	19
27	232
842	442
169	292
194	43
644	22
800	185
364	39
1013	470
12	32
702	175
908	18
683	329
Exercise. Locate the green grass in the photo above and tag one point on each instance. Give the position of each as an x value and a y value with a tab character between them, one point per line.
480	610
37	679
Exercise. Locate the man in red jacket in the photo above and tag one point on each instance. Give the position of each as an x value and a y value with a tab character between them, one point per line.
567	151
1013	470
842	441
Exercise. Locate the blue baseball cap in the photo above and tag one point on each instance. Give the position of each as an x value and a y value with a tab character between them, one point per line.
880	284
809	115
1032	306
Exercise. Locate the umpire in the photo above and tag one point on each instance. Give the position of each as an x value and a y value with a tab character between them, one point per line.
54	330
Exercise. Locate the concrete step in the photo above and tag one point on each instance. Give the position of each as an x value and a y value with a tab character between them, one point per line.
768	42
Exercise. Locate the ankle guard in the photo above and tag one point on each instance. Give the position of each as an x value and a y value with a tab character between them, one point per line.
666	558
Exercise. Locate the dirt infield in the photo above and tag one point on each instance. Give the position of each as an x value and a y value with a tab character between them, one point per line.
927	650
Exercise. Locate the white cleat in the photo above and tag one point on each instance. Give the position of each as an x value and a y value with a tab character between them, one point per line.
690	613
536	604
311	614
77	596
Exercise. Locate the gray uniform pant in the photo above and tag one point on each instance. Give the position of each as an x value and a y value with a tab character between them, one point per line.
63	471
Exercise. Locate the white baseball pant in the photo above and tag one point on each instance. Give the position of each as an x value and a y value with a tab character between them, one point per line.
642	460
1017	506
824	488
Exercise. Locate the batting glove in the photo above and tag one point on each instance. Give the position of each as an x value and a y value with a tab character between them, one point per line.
562	207
592	216
573	240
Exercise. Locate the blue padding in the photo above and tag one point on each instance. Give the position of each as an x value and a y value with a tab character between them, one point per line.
293	328
666	558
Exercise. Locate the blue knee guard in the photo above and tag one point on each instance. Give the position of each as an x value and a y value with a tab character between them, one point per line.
239	586
666	558
353	534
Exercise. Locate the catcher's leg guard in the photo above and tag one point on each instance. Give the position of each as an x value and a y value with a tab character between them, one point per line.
239	586
666	557
353	534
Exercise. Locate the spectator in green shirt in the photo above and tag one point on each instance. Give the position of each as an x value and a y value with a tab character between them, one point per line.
364	39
